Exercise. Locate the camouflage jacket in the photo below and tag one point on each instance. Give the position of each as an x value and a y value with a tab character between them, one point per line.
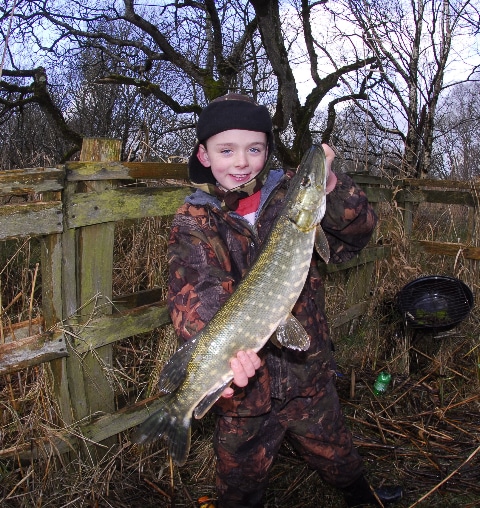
210	251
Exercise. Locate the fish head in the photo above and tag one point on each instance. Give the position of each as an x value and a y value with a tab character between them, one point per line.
307	197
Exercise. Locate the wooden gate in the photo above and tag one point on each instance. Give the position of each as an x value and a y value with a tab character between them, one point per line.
73	210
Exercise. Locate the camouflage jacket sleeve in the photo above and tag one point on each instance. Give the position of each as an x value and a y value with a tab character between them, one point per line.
198	283
349	220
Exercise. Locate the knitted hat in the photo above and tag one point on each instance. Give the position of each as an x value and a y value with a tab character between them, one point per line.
231	111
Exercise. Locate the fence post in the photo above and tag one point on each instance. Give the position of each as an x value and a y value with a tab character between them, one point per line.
408	207
87	289
52	308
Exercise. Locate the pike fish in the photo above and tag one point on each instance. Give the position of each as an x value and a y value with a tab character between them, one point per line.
198	372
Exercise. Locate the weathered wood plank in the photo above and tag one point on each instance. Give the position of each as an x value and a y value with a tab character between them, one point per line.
31	181
94	287
105	330
378	194
97	431
139	299
367	255
441	184
416	190
364	179
448	249
446	197
23	353
120	204
77	171
52	309
369	180
51	269
80	338
353	312
30	219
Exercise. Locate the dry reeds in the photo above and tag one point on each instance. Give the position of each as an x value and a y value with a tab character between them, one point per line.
424	433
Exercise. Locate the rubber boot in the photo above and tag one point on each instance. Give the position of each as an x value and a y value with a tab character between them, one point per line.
359	494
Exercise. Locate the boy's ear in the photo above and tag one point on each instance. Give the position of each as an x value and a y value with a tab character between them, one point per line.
202	156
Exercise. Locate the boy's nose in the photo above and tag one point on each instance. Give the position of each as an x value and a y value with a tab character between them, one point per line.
241	160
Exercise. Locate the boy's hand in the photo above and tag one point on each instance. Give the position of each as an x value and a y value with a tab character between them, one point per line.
332	177
243	365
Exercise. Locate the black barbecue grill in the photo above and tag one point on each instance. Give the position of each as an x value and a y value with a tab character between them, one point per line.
437	303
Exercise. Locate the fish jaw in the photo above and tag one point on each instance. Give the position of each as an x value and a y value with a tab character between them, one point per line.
308	199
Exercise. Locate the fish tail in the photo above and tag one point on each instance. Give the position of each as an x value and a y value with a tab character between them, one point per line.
167	421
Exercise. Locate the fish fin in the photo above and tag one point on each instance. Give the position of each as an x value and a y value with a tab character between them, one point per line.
167	421
175	370
209	400
275	341
321	244
179	443
292	334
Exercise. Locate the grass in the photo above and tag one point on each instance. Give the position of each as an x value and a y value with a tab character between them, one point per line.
424	433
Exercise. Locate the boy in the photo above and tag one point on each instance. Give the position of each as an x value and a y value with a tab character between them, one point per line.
214	239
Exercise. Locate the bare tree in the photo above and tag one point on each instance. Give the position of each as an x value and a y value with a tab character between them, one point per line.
206	48
412	42
288	105
457	133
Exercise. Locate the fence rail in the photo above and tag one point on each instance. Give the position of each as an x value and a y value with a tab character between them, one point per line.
72	209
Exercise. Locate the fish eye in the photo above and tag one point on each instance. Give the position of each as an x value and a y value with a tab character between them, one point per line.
306	182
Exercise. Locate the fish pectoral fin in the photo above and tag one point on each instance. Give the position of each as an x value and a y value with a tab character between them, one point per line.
175	370
292	334
209	400
274	340
321	244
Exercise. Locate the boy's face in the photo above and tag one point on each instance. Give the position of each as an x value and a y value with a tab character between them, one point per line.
234	156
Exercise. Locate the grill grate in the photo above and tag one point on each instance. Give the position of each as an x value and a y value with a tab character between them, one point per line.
435	302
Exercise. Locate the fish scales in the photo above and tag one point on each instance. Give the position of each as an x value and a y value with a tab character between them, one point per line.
247	321
199	371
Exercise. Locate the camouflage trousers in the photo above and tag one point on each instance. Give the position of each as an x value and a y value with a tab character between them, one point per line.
247	447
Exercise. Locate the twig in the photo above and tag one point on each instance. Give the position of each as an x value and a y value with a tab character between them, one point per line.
172	482
406	392
379	427
4	310
431	491
23	480
157	488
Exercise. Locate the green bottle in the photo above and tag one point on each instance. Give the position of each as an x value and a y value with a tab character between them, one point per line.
381	383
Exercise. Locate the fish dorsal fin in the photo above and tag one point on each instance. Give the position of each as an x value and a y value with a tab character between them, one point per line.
321	244
292	334
175	370
209	400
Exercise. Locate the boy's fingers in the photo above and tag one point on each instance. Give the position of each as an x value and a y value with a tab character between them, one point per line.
244	359
244	366
227	393
240	377
254	358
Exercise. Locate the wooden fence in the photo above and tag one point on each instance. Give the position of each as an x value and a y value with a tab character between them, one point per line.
74	215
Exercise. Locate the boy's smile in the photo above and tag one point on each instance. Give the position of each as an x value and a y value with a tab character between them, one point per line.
234	156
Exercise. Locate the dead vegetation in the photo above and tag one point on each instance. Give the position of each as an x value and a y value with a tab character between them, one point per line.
424	433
